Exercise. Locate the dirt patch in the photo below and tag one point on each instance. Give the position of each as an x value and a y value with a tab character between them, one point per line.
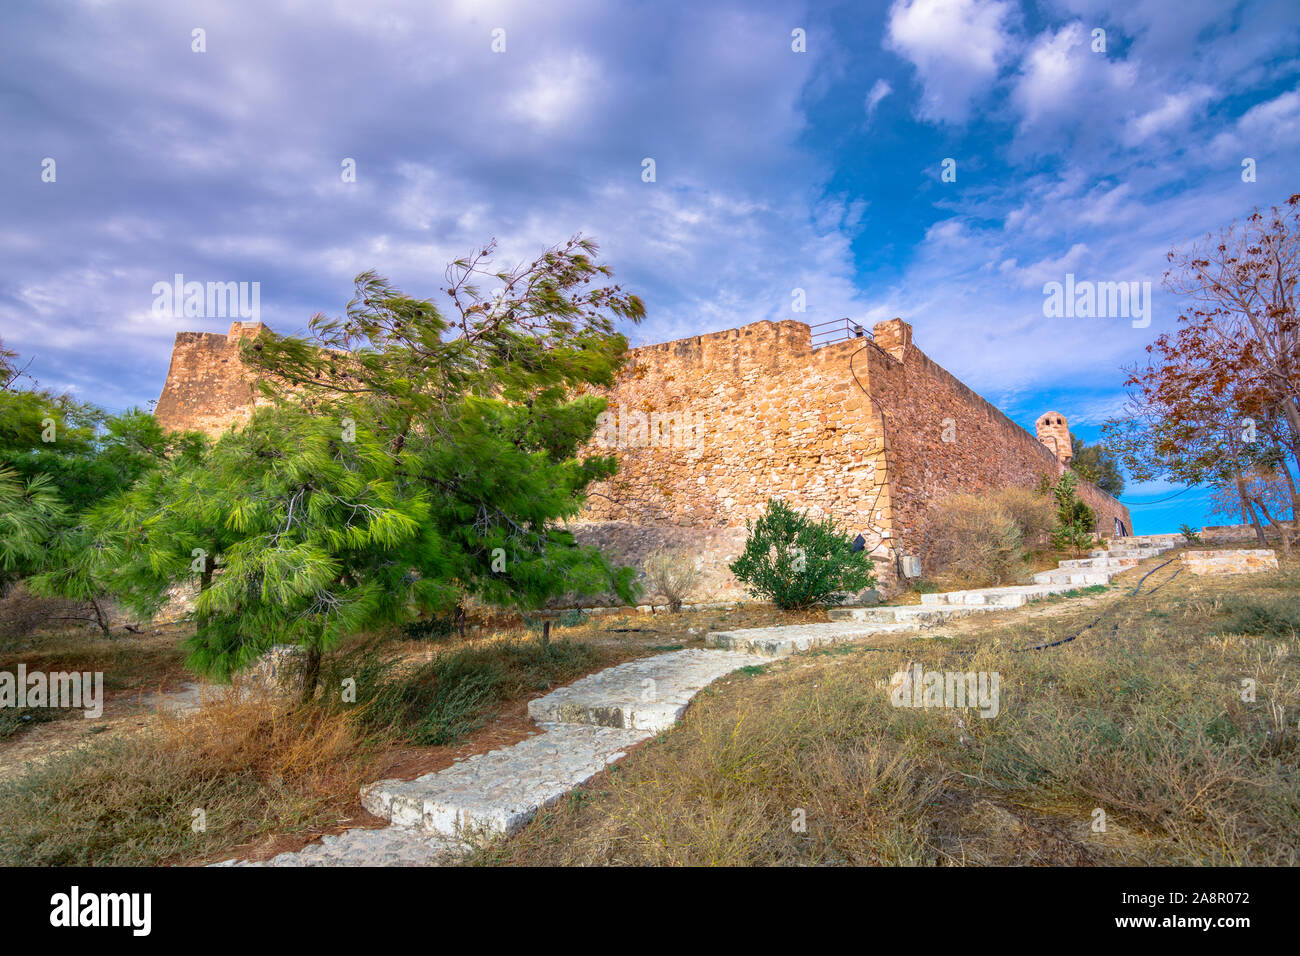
125	713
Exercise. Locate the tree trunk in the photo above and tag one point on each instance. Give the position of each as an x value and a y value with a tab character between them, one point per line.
1282	532
205	576
1247	511
1292	415
99	618
311	675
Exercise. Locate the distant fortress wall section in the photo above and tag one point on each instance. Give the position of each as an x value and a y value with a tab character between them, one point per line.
944	438
869	432
754	413
208	389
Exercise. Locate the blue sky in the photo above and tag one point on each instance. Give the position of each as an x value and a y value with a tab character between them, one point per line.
775	169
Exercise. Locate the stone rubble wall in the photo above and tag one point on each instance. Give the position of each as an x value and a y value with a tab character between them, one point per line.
707	429
1107	507
1241	532
779	419
628	543
943	438
1237	561
769	418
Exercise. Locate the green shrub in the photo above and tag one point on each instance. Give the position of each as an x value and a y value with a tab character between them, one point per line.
1076	522
796	562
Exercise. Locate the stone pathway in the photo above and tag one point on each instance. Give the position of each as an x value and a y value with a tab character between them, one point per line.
857	623
586	726
592	722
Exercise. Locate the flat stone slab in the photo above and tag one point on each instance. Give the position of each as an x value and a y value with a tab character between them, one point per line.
915	615
386	846
1107	563
1009	596
498	792
646	694
1077	578
793	638
1242	561
1140	553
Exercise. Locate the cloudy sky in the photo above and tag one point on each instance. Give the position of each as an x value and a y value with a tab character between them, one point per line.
782	160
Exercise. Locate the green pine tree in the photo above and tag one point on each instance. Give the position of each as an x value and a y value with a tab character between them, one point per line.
410	461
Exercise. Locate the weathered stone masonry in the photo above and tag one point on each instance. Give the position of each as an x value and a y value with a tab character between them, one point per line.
208	389
707	429
776	418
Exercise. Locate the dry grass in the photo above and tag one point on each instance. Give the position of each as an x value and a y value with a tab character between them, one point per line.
128	662
441	700
22	613
1034	514
971	541
267	775
1139	716
250	763
733	783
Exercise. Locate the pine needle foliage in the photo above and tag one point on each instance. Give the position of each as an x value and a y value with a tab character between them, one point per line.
408	462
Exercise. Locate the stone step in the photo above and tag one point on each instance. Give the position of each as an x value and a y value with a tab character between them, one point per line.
384	846
1098	564
1009	596
917	615
1140	553
1077	578
500	791
647	694
996	597
793	638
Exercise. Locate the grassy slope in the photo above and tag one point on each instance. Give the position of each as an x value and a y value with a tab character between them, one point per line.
1140	717
257	766
261	772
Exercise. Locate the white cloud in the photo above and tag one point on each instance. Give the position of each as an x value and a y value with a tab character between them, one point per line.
957	47
1175	112
1062	83
1266	126
879	90
558	89
1044	270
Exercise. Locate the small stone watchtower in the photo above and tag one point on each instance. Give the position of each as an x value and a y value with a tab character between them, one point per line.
1054	432
244	330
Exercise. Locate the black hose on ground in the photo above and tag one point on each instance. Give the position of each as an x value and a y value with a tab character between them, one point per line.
1102	615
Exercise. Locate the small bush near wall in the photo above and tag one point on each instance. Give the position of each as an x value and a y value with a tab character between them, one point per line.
1033	513
673	574
796	562
974	541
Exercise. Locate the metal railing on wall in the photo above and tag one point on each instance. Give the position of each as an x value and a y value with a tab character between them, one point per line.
837	330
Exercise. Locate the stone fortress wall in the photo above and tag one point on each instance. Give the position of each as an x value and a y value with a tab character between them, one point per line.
869	432
208	389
